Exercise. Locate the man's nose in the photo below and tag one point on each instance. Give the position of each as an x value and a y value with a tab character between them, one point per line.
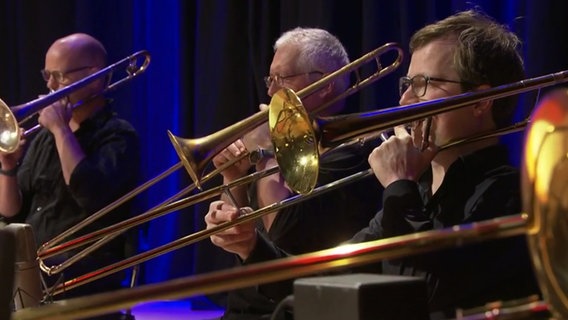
408	97
273	88
51	84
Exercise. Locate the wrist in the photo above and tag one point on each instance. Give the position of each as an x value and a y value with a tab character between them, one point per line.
63	131
10	172
246	252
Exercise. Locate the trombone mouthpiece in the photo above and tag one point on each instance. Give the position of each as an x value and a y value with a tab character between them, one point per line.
256	155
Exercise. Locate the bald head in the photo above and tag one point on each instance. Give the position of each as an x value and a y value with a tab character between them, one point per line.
72	58
80	47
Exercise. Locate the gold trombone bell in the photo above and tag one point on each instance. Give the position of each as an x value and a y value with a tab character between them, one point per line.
545	196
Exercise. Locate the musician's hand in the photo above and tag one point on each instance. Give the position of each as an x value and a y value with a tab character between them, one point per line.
230	154
240	239
10	160
56	116
400	158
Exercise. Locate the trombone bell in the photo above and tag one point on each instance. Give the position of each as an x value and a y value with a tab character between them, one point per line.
294	141
9	129
188	157
545	194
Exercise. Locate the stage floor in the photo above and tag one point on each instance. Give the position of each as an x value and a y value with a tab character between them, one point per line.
172	310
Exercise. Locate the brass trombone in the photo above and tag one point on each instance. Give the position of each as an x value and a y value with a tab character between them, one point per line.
296	138
543	221
195	155
11	118
392	117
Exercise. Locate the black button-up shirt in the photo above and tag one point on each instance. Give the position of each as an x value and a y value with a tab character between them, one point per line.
476	187
315	224
109	170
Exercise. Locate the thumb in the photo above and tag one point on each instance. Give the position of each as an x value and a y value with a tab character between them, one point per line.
263	106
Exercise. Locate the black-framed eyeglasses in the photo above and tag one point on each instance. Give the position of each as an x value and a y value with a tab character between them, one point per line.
60	76
419	83
279	80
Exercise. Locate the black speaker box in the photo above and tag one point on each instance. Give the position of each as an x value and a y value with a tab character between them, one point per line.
360	297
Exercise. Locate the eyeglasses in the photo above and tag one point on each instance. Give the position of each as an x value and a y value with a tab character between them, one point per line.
60	76
419	83
268	80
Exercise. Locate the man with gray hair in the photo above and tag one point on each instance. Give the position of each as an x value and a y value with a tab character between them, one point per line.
301	57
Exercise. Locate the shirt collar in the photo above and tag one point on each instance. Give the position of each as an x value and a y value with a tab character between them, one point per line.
99	118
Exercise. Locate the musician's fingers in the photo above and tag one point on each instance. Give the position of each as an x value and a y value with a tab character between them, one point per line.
400	131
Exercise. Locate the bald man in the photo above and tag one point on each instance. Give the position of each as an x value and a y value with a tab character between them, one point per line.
82	159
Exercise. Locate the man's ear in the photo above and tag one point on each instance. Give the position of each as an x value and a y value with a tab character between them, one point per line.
326	90
482	106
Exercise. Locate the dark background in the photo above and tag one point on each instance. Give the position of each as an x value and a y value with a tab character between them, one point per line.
208	60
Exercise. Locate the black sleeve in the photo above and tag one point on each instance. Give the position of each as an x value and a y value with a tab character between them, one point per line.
108	170
402	213
474	274
265	250
333	217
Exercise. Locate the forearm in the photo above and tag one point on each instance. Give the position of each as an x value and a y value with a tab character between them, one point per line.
10	196
403	210
69	150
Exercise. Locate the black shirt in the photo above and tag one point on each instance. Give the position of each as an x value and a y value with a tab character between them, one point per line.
315	224
109	170
476	187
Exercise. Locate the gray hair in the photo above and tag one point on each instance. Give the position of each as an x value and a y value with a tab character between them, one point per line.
318	50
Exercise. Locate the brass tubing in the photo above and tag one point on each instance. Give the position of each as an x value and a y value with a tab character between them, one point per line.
50	248
281	269
336	129
203	234
195	154
156	212
11	117
44	250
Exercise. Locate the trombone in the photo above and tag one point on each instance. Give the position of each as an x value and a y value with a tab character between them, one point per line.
291	129
11	118
355	125
544	223
195	155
